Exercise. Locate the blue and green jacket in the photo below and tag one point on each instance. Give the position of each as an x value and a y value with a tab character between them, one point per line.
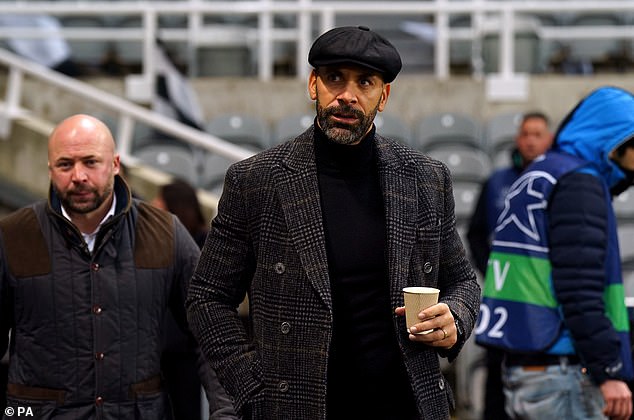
553	283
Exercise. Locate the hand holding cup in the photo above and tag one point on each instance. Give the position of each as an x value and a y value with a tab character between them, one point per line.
418	299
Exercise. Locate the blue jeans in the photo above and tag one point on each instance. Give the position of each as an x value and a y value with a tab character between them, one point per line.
558	392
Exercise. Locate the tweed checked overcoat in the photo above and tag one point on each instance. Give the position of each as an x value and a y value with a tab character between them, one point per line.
268	240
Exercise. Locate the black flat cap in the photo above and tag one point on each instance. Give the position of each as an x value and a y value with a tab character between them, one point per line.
357	45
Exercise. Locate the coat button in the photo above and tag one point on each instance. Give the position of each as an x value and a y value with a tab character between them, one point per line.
99	356
94	267
427	267
98	401
441	383
286	327
283	386
96	309
280	268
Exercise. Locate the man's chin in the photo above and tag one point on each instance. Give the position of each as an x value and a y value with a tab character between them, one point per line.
342	135
82	207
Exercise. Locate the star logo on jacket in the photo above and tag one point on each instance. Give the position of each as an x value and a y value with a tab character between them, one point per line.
525	197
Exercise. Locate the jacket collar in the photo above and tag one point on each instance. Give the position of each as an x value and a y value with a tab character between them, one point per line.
121	191
71	233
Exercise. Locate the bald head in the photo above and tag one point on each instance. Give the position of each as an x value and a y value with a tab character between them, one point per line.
81	130
82	164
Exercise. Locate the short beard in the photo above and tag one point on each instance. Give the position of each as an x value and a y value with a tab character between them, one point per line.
84	207
345	134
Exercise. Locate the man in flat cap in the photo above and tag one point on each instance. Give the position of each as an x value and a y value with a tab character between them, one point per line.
323	233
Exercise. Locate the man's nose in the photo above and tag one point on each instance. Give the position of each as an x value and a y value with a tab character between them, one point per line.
348	94
79	174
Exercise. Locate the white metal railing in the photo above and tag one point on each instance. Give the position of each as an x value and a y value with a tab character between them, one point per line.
128	113
488	16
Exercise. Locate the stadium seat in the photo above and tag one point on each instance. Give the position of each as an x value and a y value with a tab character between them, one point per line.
241	129
461	59
391	126
465	163
143	135
595	51
87	53
526	41
213	172
624	206
499	137
439	130
173	160
290	126
500	130
129	51
465	195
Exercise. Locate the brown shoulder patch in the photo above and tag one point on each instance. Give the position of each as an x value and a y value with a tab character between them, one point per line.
25	247
154	245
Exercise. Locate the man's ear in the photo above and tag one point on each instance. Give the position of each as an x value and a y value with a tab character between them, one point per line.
116	164
312	85
384	95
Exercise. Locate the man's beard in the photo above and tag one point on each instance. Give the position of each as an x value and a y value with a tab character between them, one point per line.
342	133
82	206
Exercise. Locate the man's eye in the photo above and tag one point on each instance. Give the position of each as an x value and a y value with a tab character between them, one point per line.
90	163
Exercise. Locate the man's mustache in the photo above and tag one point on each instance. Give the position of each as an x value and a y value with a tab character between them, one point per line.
347	110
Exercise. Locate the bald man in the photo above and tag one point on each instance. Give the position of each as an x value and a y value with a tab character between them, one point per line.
86	278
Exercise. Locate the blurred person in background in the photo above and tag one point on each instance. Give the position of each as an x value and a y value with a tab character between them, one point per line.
533	139
180	198
50	50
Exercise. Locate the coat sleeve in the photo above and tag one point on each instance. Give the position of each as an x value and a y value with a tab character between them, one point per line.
217	288
578	229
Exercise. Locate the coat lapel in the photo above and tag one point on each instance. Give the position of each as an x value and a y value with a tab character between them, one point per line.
298	189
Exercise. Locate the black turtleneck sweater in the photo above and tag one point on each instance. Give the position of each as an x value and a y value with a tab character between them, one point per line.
366	375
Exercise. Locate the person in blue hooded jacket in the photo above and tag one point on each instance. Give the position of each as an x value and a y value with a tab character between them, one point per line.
553	298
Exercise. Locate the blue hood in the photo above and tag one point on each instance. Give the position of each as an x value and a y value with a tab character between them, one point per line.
599	123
